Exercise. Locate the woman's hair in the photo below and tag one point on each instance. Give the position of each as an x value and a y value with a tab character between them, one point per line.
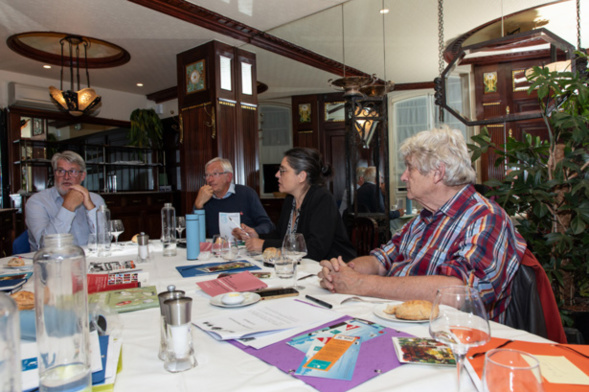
427	150
310	161
68	156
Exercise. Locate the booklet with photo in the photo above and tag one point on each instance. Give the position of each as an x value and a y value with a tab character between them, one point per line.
127	300
12	282
243	281
422	350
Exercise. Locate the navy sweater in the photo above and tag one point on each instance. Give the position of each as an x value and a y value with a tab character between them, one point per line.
245	201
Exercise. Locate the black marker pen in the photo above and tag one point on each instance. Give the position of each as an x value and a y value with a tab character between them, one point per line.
317	300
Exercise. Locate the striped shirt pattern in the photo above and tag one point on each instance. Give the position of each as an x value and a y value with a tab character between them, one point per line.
470	238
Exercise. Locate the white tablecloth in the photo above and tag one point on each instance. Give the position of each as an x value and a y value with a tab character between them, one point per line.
223	367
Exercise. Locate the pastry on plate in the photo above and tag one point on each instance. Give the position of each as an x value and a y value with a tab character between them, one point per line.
270	254
25	300
412	310
16	262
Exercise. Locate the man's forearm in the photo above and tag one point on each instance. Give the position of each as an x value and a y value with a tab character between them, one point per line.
406	287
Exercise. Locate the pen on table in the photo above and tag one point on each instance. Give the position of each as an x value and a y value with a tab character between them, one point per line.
317	300
239	227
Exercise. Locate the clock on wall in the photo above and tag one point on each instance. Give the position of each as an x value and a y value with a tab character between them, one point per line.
195	77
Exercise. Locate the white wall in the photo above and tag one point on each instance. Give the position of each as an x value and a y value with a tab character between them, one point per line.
116	105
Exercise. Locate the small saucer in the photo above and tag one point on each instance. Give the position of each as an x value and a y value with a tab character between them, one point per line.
250	299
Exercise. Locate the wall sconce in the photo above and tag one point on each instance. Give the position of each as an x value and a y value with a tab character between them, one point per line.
365	114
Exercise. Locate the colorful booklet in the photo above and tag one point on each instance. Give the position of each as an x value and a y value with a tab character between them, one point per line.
214	268
421	350
127	300
12	282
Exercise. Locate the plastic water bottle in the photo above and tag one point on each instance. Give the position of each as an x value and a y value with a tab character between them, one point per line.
103	231
61	309
10	364
169	229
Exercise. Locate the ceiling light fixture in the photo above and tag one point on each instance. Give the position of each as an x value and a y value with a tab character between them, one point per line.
82	101
47	66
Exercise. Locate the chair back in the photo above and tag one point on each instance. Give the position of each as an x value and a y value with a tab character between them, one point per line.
21	243
364	235
533	306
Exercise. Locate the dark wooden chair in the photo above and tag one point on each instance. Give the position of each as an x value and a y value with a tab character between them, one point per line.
365	235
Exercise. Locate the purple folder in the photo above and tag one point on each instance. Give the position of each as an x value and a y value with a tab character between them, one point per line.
376	356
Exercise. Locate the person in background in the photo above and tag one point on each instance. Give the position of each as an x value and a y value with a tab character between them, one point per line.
459	238
220	194
67	207
370	196
309	209
359	181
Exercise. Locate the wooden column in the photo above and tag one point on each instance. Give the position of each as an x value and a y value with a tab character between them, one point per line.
218	103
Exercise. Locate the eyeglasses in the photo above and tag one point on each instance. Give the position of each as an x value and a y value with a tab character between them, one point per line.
72	172
216	175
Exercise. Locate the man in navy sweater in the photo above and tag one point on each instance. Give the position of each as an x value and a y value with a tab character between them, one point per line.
220	194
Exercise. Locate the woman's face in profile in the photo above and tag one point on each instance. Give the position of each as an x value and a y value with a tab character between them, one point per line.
288	180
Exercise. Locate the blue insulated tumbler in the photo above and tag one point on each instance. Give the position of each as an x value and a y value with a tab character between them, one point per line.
202	225
192	236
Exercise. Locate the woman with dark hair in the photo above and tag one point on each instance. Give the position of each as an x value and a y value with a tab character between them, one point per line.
309	209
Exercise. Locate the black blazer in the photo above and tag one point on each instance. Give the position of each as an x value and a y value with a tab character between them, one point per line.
320	223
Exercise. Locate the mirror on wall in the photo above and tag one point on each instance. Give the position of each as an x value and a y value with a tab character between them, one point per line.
111	164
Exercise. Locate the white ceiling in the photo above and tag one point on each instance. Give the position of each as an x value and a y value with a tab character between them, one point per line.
153	39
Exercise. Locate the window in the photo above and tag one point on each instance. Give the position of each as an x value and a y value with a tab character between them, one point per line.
418	113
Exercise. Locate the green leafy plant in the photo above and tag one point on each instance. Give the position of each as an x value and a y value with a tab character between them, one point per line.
547	184
146	129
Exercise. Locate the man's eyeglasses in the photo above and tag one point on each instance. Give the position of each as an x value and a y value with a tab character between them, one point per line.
216	174
72	172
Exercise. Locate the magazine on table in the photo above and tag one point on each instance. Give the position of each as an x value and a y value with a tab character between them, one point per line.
423	350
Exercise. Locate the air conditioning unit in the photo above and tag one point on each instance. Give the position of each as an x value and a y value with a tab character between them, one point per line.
27	96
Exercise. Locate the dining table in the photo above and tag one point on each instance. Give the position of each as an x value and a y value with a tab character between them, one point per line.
222	366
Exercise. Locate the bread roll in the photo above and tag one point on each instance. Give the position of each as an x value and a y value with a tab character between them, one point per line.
25	300
134	239
270	254
412	310
16	262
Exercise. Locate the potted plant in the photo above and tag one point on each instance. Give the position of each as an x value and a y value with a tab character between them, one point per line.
146	129
548	185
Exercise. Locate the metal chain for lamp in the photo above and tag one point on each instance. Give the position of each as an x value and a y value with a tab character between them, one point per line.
441	63
578	24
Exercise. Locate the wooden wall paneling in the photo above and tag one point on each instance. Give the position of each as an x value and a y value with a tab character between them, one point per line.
198	147
251	162
305	133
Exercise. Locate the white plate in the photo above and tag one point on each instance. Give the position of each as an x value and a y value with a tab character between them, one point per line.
250	298
379	311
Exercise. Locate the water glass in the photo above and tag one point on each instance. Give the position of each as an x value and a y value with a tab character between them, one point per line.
285	267
220	245
92	245
511	371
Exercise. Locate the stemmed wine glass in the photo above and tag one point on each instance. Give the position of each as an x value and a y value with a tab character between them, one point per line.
180	225
462	321
116	229
294	248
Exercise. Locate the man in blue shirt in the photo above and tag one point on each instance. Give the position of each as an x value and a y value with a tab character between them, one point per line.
220	194
67	207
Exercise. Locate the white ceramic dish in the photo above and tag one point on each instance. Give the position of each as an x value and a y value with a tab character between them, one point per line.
379	311
250	299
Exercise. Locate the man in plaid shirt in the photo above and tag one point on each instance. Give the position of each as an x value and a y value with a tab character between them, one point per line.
459	238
